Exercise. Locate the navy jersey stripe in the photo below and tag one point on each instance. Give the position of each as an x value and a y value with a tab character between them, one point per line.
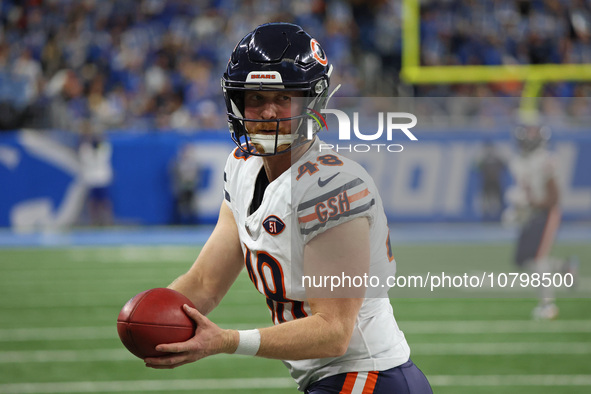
298	310
354	211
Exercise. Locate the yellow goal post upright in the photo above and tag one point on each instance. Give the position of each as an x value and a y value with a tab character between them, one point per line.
533	76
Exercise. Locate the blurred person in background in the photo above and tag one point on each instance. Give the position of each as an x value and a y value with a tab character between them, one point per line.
67	109
535	205
94	153
29	69
184	173
491	167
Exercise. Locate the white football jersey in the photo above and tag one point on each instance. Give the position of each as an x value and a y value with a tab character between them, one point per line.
322	190
532	172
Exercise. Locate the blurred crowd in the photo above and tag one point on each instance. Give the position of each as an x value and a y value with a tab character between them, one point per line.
506	32
156	64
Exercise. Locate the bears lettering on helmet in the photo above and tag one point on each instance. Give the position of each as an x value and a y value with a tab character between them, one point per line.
275	57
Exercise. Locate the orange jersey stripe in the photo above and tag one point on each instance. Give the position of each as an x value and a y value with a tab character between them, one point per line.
358	196
349	383
308	218
370	383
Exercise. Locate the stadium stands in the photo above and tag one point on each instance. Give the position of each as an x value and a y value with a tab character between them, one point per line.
155	64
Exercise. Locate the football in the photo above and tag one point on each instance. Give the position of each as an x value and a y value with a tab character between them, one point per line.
154	317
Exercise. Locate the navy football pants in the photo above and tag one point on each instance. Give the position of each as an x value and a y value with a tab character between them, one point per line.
403	379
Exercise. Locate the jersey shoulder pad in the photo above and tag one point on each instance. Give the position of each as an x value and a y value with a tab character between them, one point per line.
240	153
236	164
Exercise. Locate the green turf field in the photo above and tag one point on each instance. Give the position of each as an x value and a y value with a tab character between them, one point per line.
58	310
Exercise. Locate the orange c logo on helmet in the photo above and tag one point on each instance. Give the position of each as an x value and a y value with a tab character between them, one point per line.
318	52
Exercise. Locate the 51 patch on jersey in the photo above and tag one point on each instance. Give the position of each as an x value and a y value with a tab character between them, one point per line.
273	225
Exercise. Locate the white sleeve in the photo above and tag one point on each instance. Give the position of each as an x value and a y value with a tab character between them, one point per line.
346	197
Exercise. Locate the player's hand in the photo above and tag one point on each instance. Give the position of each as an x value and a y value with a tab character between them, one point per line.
209	339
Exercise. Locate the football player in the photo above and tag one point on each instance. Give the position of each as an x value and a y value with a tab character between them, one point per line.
535	201
291	211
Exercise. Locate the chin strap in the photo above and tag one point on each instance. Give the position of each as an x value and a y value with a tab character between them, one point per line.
267	141
332	93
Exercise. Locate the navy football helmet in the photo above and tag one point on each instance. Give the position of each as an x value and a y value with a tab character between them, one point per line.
275	57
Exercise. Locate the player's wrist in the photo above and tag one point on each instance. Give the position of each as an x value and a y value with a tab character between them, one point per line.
231	338
249	342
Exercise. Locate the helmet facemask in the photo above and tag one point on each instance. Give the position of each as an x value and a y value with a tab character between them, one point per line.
271	143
